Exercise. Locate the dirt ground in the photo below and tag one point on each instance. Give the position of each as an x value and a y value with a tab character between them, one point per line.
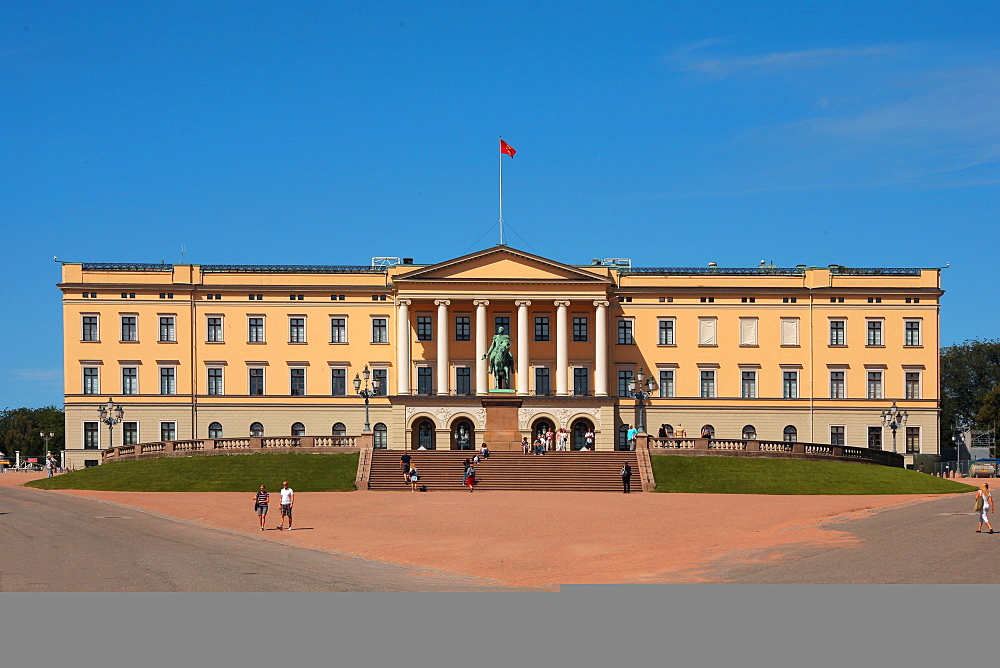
532	539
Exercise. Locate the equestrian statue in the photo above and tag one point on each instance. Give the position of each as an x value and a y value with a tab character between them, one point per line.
500	360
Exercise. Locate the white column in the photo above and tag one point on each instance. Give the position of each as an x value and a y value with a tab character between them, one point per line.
442	346
482	377
523	330
601	349
562	349
403	347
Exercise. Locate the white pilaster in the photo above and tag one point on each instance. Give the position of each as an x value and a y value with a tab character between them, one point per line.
403	347
482	377
601	349
562	348
523	330
442	346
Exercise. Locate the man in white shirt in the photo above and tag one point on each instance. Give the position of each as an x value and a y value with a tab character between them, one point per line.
287	499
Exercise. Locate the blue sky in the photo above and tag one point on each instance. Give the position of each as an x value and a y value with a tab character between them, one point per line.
674	134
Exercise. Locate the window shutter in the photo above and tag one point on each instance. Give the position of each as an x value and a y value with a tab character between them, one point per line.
748	331
790	332
706	331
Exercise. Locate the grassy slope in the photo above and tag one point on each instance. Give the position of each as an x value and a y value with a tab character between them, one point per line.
737	475
233	473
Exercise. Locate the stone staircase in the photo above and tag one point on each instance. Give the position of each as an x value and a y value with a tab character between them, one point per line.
441	471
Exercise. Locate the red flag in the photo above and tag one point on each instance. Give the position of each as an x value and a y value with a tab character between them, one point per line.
506	148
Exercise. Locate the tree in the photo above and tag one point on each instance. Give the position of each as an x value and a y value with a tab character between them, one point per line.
969	371
20	429
989	409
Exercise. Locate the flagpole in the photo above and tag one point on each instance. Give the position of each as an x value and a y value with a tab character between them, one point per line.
500	156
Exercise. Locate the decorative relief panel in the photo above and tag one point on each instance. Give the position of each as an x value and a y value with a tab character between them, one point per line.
444	414
562	415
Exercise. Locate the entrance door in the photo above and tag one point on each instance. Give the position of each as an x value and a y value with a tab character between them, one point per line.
424	436
463	436
579	431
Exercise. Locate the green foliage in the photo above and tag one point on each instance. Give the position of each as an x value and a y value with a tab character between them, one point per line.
215	473
969	371
745	475
19	429
989	409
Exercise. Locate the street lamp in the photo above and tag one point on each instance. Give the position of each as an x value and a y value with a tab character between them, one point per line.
366	393
640	391
111	414
893	419
47	438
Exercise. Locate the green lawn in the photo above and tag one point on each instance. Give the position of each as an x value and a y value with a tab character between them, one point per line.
743	475
223	473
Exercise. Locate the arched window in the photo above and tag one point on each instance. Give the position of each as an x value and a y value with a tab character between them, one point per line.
542	427
381	436
257	430
749	432
791	434
425	436
339	429
708	431
462	437
298	429
580	429
215	430
622	443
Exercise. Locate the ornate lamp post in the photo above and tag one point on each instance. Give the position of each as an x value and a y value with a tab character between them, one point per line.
893	419
640	391
111	414
47	437
366	392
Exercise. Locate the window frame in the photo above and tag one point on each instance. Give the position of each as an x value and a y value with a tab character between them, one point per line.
338	329
167	373
135	377
751	376
875	326
214	331
625	331
91	328
172	430
425	327
581	328
380	330
667	383
297	376
543	328
666	331
91	383
463	327
838	332
838	384
212	382
297	329
133	328
170	322
707	391
256	372
918	330
789	391
335	380
260	329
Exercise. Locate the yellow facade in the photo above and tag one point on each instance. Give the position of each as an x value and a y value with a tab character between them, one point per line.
821	350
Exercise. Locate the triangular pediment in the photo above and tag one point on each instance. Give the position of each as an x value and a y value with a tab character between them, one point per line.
501	263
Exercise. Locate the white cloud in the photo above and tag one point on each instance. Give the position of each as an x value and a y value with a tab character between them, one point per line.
720	67
36	375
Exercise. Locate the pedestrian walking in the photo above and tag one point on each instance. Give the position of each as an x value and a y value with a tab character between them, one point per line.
260	505
50	466
414	477
404	466
287	500
984	505
626	479
588	439
470	478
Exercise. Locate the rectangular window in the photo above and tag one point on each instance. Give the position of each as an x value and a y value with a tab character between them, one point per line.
666	332
130	433
707	384
425	326
463	380
748	384
296	330
91	436
837	436
706	331
129	329
425	380
837	383
168	380
501	321
297	382
624	376
215	380
338	382
90	328
790	384
91	381
666	382
875	438
912	333
541	328
837	335
748	331
874	384
789	331
382	376
874	333
913	439
130	380
380	330
168	431
580	329
338	330
625	332
257	382
912	385
581	381
463	328
167	333
542	386
256	332
214	333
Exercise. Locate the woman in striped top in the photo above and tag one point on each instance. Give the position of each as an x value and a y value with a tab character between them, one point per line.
260	505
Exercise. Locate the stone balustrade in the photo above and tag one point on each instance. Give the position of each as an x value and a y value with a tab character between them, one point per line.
248	445
778	449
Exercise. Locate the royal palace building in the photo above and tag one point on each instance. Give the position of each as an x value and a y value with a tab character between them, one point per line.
807	354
